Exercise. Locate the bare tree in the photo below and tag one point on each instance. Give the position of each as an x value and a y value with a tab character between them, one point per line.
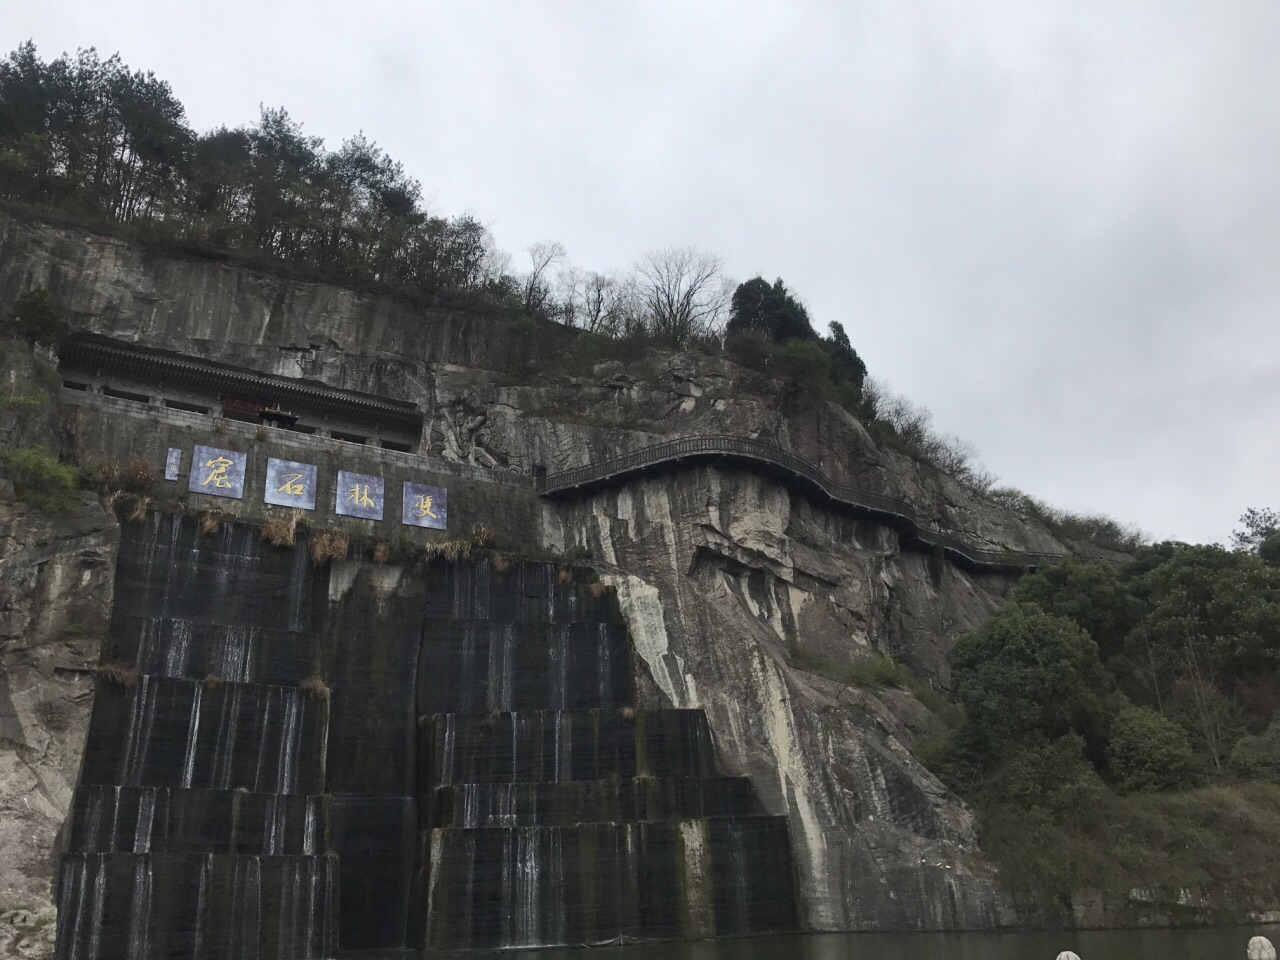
543	255
682	293
593	301
913	424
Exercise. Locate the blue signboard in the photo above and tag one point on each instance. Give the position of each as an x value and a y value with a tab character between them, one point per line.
291	484
425	506
173	464
219	473
358	495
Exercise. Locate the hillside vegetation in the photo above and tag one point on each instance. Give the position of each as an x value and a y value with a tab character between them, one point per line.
1121	725
89	139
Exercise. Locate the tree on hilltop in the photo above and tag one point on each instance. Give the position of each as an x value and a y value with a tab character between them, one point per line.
682	293
1259	523
847	366
769	310
537	295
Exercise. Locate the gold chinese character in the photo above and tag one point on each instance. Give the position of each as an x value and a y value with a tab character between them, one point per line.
292	485
359	494
218	474
423	508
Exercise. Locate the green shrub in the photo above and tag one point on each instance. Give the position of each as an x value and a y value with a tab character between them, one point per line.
1098	529
1219	839
1148	751
751	349
39	479
1093	594
805	364
770	310
1269	549
877	670
20	402
938	756
35	319
1044	775
1027	675
937	703
1258	757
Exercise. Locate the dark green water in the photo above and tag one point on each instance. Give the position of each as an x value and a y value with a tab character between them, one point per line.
1219	943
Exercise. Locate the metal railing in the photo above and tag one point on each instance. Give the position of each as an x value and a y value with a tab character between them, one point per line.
891	510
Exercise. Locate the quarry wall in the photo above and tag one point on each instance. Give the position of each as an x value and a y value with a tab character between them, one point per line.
731	585
264	320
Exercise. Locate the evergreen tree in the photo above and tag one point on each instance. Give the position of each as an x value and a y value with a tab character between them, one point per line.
847	366
769	310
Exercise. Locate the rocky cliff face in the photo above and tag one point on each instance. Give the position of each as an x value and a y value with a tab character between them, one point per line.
224	311
736	590
55	601
913	611
733	585
56	576
727	583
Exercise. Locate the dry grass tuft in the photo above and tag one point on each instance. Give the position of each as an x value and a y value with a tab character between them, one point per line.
210	523
628	713
139	512
315	687
599	590
564	576
107	471
381	553
500	563
462	548
341	544
72	423
329	546
491	718
211	681
449	550
279	532
122	674
138	474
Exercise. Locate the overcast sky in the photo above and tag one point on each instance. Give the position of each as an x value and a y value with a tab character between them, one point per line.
1055	223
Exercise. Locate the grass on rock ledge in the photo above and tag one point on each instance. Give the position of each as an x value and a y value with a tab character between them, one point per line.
879	671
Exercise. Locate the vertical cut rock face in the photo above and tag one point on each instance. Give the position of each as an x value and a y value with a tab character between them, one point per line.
476	776
200	827
723	576
592	824
726	581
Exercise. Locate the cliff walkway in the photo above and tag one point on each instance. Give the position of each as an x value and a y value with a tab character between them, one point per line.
800	474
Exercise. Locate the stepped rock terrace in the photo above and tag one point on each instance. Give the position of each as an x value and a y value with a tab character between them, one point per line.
474	775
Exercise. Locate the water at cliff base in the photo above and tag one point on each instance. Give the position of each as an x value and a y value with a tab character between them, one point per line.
1217	943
